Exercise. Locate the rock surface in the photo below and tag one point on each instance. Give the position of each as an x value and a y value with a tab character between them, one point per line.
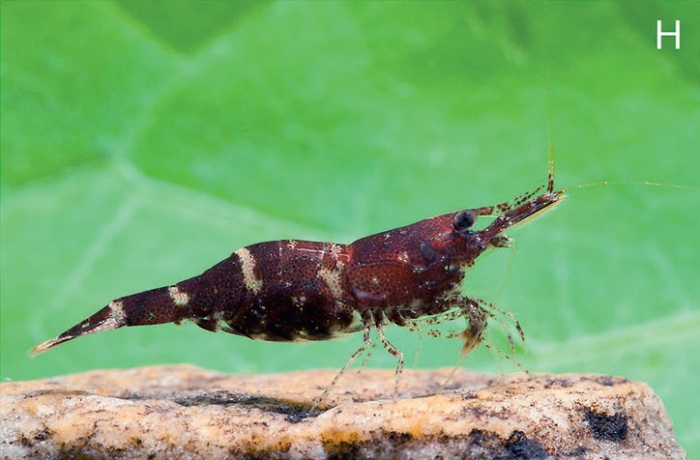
178	412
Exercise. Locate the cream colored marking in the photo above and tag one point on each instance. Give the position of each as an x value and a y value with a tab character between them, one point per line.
403	257
116	318
117	307
292	244
335	250
248	268
333	280
179	298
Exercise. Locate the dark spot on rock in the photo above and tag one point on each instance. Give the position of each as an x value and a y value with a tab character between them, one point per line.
295	411
608	381
577	453
476	436
42	435
605	380
562	382
343	450
520	447
296	417
25	441
399	438
607	427
517	447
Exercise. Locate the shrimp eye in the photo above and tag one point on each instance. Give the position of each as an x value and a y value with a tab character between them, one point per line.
464	220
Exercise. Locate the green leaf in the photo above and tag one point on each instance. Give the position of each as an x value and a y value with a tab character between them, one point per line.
143	144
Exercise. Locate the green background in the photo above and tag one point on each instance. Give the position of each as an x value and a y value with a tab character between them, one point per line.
142	142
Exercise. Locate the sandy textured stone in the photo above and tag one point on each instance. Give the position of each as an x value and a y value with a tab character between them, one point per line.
184	412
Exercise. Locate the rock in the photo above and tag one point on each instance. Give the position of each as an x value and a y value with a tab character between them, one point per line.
177	412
